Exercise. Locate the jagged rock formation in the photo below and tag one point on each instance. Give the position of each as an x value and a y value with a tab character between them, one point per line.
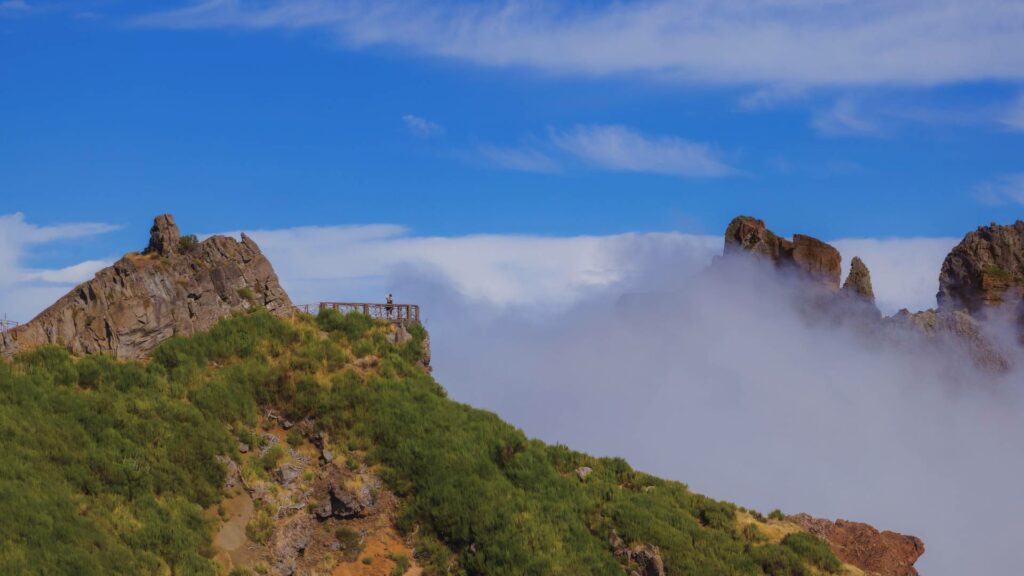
957	328
985	270
858	281
883	553
177	286
817	259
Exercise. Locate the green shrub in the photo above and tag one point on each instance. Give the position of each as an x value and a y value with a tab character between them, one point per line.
751	533
777	560
187	243
353	325
401	564
776	515
814	550
270	459
246	293
294	438
261	527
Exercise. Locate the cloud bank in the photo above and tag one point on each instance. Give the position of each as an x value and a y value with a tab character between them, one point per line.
767	42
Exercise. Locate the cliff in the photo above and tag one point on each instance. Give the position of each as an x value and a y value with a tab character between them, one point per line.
176	286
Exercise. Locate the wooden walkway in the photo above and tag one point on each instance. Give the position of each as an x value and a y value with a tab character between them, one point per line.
396	313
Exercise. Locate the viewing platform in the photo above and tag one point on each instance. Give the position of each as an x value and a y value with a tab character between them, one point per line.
6	325
394	313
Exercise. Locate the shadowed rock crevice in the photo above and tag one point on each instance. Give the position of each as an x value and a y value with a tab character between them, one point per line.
177	286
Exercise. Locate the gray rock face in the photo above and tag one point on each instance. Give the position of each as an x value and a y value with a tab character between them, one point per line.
957	327
986	269
858	281
143	299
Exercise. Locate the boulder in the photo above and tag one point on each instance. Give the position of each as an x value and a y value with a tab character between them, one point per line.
287	474
861	545
583	471
344	496
172	288
289	542
819	260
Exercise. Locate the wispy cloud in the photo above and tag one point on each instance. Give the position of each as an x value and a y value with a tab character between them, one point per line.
525	159
14	6
792	42
24	291
844	119
771	97
422	126
1013	118
1004	189
617	148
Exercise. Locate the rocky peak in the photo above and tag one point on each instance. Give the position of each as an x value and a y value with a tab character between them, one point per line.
985	270
819	260
164	236
143	299
858	281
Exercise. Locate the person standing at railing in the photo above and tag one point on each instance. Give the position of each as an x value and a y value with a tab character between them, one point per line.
390	305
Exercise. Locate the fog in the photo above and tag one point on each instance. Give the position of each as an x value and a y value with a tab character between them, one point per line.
718	380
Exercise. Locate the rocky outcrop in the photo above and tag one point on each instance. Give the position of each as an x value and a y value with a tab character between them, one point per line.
985	270
176	286
858	281
640	559
955	328
818	260
883	553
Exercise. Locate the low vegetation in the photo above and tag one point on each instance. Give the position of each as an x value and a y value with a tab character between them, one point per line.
107	466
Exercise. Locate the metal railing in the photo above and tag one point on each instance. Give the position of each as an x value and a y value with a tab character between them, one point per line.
6	325
397	313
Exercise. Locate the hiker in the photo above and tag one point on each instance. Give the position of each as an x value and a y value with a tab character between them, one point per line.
390	305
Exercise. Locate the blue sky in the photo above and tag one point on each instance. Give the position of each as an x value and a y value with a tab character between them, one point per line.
837	119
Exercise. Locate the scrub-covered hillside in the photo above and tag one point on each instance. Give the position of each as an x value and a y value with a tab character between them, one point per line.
322	446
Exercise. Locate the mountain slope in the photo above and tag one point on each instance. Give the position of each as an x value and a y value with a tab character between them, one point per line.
109	465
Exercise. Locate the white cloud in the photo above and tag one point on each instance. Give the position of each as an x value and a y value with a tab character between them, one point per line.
792	42
422	126
771	97
904	271
844	119
318	263
526	159
26	291
1008	188
1014	115
618	148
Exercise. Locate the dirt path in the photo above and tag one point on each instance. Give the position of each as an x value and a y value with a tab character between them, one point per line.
230	541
